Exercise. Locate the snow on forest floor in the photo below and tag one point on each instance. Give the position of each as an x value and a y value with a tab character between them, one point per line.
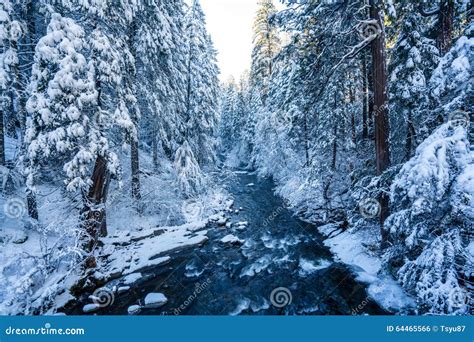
352	247
39	264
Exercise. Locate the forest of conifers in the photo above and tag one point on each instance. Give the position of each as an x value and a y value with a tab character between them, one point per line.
119	146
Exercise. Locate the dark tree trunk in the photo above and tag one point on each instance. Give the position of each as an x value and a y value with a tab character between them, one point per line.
365	92
353	120
381	120
410	137
2	138
134	151
154	148
306	137
135	170
32	205
379	71
444	38
334	144
94	213
370	103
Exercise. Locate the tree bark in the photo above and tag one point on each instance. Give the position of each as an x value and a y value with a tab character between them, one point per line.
2	137
381	119
306	137
135	170
154	148
365	92
379	71
32	205
410	137
353	120
94	212
334	144
445	26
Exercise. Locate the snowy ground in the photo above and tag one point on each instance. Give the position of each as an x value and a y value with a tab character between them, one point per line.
353	247
39	263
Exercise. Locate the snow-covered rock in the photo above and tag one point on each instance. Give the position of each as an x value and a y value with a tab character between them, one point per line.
222	221
155	300
132	278
134	309
89	308
232	239
123	289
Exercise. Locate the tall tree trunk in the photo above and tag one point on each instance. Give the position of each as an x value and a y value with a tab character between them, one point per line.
410	137
334	144
94	213
382	128
134	151
444	38
306	137
135	170
371	106
154	148
2	137
32	205
365	92
353	120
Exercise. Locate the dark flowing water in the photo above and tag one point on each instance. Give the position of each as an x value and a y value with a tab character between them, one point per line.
280	252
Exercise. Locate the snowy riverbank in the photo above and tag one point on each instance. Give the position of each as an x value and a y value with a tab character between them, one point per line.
352	247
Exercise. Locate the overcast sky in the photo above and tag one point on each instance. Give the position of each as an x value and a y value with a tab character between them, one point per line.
230	24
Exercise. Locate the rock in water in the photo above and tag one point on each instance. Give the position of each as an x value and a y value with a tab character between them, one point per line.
232	239
89	308
134	309
155	300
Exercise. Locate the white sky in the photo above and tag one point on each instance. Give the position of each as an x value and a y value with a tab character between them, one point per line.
230	24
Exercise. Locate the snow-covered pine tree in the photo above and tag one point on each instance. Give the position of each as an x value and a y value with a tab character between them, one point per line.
266	44
431	226
12	29
414	57
62	99
202	88
161	56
